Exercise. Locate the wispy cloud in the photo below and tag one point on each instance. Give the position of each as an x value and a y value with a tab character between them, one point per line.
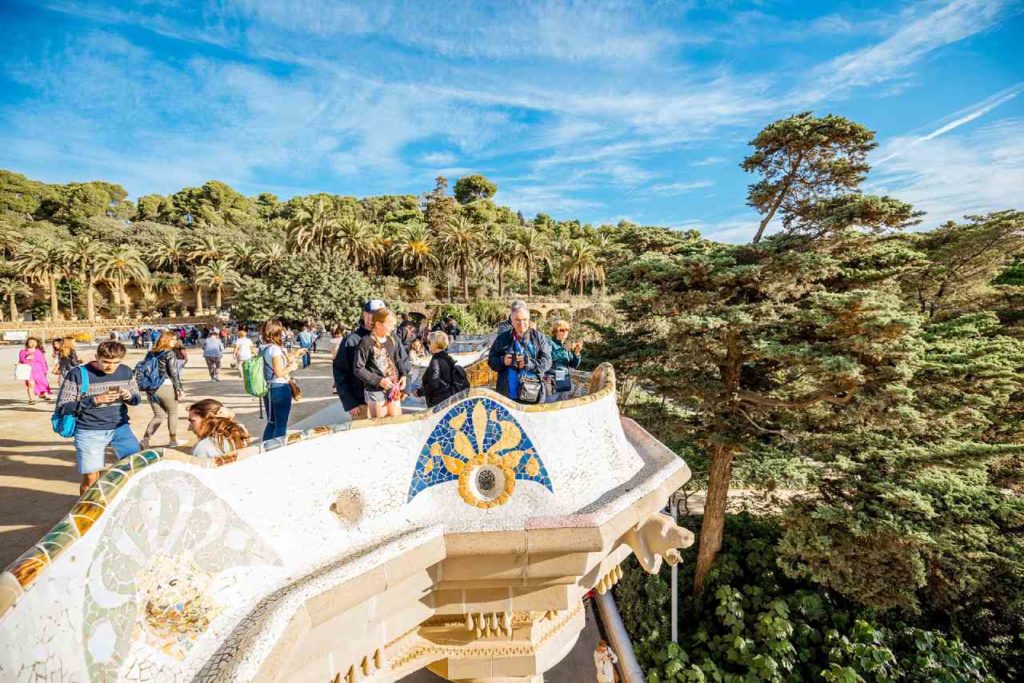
955	175
675	189
960	118
923	33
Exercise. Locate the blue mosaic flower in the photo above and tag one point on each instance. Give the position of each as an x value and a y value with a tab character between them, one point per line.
479	444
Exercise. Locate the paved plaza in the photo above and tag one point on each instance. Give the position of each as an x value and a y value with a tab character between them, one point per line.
38	481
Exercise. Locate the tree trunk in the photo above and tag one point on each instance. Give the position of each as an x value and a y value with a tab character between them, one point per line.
14	308
501	280
529	279
778	200
90	301
581	287
126	303
218	297
199	299
465	282
714	513
54	303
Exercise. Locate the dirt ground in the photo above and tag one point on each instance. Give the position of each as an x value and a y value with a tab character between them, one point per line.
38	481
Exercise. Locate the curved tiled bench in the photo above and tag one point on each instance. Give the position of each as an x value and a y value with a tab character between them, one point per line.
175	568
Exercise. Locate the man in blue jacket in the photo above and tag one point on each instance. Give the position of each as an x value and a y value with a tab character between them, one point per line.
518	354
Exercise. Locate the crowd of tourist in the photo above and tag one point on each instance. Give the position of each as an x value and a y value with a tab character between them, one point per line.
371	366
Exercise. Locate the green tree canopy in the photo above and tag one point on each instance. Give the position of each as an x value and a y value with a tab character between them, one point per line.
474	187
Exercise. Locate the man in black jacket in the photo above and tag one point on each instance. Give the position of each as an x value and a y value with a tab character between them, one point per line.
350	389
517	353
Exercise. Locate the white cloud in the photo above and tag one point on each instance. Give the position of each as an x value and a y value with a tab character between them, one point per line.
955	175
892	58
960	118
438	159
674	189
707	161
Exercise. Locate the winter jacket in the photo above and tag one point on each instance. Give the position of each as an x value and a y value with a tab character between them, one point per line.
562	357
350	389
537	362
365	367
167	362
437	380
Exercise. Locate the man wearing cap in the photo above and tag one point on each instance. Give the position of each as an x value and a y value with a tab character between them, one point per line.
350	389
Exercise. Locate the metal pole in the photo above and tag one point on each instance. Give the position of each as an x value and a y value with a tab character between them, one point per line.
675	603
619	639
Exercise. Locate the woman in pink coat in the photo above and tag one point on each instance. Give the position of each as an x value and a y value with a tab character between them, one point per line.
37	384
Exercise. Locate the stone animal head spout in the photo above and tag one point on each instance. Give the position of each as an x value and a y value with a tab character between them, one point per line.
655	538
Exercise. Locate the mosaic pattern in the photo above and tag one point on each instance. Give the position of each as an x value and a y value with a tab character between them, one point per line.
481	445
152	579
24	571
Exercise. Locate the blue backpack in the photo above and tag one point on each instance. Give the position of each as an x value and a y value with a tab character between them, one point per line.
65	424
147	373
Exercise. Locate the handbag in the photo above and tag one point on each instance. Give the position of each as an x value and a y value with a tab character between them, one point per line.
64	424
531	388
23	371
296	391
561	379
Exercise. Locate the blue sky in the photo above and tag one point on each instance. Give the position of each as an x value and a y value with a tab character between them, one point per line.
592	110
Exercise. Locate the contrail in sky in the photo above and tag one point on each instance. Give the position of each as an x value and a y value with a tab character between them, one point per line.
980	110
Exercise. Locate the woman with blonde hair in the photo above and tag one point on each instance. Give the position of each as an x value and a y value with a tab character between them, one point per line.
163	394
278	365
563	357
67	358
218	430
380	367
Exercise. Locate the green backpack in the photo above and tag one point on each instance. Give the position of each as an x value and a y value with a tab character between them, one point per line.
253	376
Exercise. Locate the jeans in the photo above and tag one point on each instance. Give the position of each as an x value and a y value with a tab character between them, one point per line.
91	446
278	404
164	402
213	365
307	358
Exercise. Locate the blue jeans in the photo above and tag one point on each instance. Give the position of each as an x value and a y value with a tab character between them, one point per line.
278	404
91	445
307	358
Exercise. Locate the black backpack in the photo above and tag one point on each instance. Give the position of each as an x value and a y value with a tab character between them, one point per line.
460	382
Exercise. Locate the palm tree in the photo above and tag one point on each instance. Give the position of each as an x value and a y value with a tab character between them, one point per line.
355	239
269	256
82	253
204	248
312	225
414	249
461	240
43	263
242	257
11	288
530	247
499	251
579	263
120	265
214	276
170	251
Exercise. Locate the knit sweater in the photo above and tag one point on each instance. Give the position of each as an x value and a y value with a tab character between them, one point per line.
92	415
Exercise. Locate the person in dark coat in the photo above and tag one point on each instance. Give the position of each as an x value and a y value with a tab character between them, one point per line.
380	367
443	377
519	353
350	389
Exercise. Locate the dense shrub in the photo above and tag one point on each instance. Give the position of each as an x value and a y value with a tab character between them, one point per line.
467	321
753	623
488	311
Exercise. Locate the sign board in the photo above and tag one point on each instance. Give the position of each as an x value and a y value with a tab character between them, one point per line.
15	335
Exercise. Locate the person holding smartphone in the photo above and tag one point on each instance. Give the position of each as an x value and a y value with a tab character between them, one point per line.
520	353
102	410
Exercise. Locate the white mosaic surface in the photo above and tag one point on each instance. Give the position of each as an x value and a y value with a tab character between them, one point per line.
229	538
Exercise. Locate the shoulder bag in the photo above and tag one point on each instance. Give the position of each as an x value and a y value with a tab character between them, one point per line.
65	424
531	388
